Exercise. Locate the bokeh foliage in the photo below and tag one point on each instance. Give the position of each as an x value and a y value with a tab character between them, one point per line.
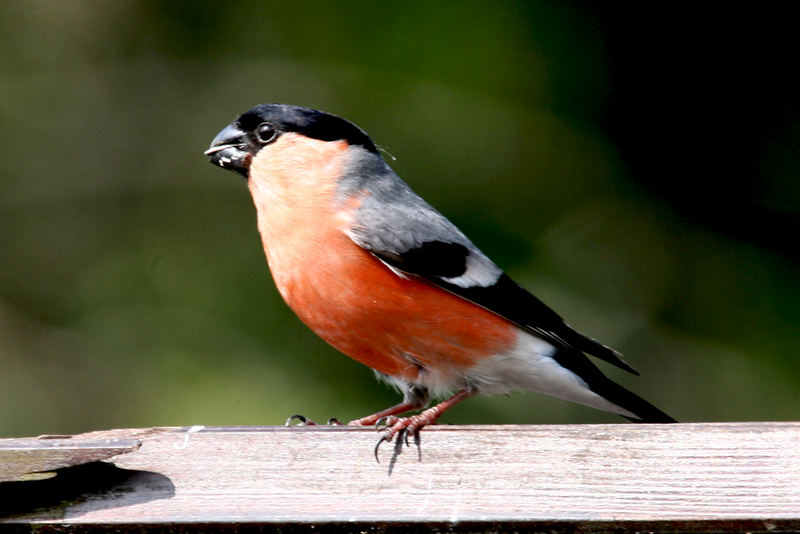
639	174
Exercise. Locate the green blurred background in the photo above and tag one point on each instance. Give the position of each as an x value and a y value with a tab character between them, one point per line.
635	167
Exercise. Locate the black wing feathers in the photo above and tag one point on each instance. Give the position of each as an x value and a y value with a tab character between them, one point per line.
508	299
430	260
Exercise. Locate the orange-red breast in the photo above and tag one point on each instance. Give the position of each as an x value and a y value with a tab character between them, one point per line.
386	279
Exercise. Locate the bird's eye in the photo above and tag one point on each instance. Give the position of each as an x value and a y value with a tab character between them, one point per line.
266	132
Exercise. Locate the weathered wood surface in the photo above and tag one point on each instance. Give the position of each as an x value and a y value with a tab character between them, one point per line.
36	458
709	477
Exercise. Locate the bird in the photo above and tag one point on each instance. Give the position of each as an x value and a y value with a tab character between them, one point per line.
389	281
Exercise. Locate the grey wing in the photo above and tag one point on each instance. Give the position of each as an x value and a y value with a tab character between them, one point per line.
407	234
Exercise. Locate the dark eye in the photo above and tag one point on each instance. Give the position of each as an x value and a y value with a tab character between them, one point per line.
265	132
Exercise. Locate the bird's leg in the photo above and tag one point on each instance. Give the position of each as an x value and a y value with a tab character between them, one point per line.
405	406
410	426
414	398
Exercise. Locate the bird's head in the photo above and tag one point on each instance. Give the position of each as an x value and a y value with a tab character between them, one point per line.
235	146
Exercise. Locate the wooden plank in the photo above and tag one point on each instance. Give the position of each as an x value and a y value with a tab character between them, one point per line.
720	477
35	458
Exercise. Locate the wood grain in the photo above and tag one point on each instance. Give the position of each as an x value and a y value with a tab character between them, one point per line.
34	458
720	476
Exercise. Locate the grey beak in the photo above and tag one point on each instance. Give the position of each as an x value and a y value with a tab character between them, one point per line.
228	138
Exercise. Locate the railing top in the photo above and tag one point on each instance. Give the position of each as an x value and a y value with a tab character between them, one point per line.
725	476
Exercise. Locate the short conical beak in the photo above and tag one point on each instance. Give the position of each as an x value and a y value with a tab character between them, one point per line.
231	136
231	149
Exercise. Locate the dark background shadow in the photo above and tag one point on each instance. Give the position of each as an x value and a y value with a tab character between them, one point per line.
76	490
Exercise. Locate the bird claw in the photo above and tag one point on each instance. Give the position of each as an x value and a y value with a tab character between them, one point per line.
403	427
405	433
399	427
385	422
384	437
302	420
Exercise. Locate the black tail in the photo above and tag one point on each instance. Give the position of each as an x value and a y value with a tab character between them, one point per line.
643	411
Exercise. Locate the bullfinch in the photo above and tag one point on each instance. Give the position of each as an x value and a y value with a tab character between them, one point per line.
386	279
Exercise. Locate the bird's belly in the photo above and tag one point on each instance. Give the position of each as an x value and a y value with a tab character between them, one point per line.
402	327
